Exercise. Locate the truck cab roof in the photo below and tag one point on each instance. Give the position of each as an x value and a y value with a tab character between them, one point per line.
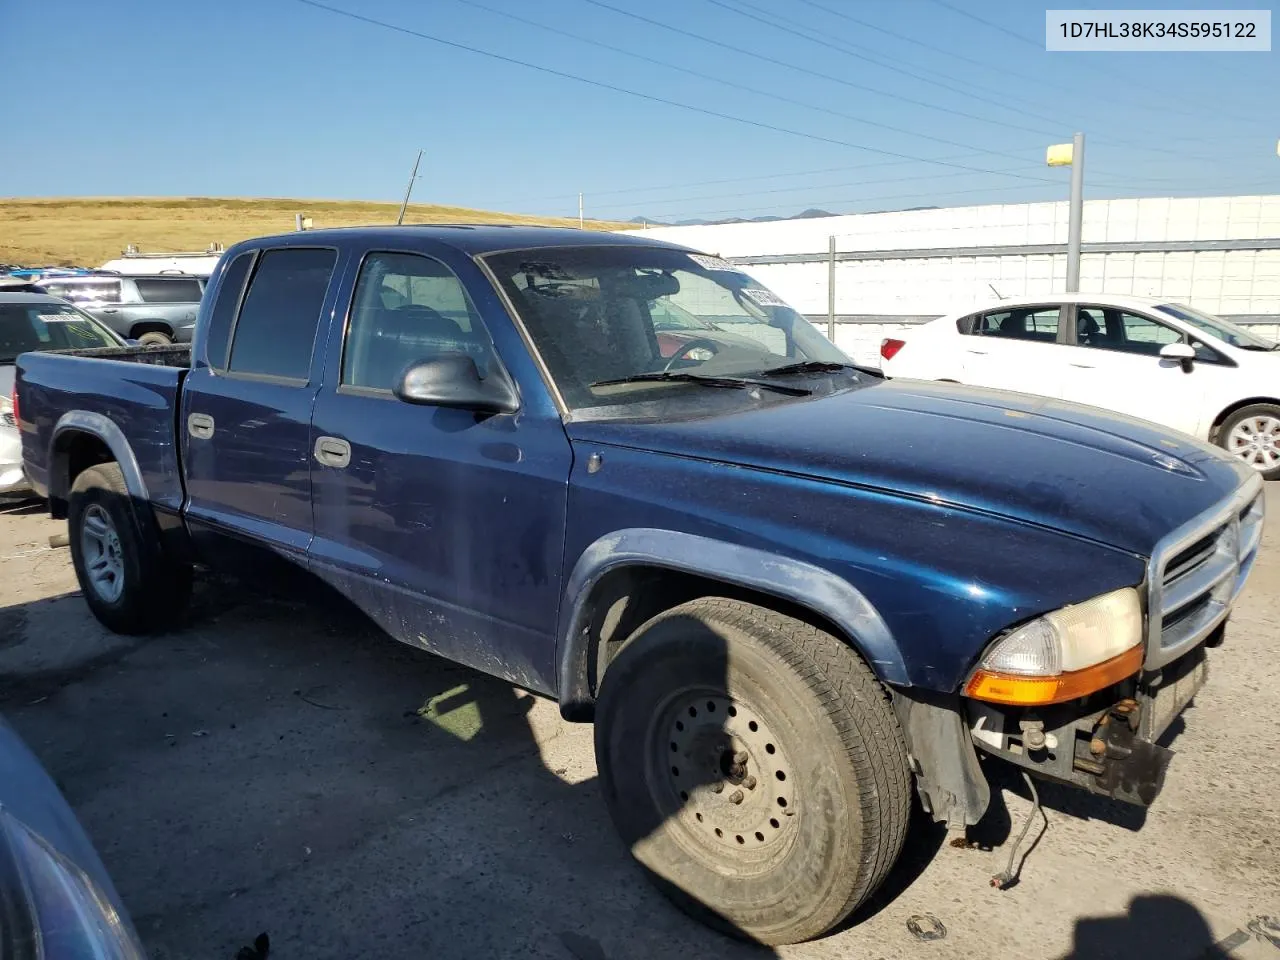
471	239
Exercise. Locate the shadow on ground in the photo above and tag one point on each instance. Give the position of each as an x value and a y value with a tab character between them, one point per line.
283	767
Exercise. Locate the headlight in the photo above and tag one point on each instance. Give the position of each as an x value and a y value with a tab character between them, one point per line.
700	353
68	915
1066	654
6	405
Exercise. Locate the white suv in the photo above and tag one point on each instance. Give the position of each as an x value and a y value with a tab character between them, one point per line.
1164	362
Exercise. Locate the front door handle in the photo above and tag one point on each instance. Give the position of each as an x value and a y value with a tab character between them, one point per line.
1084	366
200	426
333	452
110	309
979	353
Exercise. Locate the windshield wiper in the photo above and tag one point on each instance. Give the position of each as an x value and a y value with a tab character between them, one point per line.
739	383
816	366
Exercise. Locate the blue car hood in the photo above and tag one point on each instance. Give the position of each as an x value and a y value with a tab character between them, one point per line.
1081	470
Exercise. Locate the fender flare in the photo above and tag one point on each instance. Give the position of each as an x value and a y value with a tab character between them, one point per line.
784	577
100	426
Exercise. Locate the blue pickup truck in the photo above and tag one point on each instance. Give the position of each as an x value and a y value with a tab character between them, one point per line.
786	590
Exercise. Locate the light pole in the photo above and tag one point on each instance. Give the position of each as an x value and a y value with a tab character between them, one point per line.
1072	155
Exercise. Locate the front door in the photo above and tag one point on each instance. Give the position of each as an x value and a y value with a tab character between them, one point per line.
1018	348
446	526
1117	365
246	416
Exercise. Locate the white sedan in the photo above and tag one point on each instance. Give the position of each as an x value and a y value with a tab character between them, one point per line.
1164	362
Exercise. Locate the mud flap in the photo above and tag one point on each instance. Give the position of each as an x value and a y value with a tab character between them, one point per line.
950	780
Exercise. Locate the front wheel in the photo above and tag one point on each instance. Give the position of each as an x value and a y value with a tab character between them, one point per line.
1252	433
754	766
129	584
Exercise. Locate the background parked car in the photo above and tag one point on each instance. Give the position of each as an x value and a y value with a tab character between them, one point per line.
35	321
1164	362
155	309
58	899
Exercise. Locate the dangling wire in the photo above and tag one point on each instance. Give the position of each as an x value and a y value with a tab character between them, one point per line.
1008	877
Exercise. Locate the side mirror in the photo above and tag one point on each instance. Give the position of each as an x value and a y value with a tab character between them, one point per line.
1184	353
453	380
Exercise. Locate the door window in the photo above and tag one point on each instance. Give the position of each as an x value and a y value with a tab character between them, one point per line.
1036	324
276	330
1120	330
408	308
166	290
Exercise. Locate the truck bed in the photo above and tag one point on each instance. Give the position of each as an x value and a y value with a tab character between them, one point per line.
134	391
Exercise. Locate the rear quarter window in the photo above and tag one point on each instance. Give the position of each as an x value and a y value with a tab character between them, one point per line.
165	290
275	333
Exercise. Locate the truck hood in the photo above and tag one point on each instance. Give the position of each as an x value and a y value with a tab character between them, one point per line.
1080	470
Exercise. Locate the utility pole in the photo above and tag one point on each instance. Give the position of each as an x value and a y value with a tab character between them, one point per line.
409	189
580	221
1077	213
831	289
1072	155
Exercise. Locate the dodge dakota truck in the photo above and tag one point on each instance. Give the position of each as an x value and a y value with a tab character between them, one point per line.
786	590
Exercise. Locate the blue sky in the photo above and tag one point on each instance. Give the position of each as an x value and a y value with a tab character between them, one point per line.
280	98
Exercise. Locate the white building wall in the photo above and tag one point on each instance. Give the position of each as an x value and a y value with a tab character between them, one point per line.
1235	282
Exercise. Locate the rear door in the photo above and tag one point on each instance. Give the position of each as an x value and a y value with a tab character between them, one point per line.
1016	348
246	415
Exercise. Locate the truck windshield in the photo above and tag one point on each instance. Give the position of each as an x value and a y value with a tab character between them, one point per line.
607	319
25	327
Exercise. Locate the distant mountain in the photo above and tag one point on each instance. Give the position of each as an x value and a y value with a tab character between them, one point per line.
809	214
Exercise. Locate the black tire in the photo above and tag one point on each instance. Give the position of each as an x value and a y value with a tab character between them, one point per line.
155	338
128	582
1258	412
799	850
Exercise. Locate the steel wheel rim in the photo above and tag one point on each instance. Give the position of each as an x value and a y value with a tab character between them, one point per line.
722	779
1256	441
102	554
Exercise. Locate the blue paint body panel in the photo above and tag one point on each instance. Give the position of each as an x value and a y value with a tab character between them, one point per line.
921	519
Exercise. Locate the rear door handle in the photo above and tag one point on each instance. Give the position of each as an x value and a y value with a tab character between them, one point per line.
333	452
1084	366
200	426
980	353
110	309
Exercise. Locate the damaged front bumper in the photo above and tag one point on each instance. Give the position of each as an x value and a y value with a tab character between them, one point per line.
1108	745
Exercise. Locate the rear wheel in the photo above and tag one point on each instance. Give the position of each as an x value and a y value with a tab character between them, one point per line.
128	582
155	338
754	766
1252	433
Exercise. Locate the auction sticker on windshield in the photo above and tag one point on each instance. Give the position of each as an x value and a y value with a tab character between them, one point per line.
765	298
713	263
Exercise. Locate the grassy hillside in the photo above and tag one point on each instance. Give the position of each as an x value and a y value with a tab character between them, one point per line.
89	231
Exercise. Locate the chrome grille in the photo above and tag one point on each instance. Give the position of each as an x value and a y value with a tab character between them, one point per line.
8	419
1197	571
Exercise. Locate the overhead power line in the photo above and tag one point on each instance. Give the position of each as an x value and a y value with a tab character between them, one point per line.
948	82
668	65
951	84
1120	75
704	111
853	85
705	183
